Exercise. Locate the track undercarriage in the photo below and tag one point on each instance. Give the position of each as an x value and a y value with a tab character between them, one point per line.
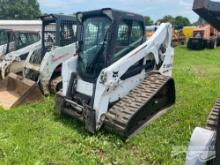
148	101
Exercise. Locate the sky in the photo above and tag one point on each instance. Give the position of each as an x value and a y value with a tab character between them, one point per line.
156	9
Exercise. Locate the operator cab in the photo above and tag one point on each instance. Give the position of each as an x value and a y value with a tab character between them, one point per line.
58	30
13	40
107	35
24	38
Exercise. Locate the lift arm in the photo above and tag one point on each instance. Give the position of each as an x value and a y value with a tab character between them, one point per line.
160	40
110	87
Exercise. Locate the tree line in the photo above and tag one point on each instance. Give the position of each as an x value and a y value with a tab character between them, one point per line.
178	22
19	9
30	9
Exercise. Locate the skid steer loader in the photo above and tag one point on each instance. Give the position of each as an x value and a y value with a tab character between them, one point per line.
118	80
44	63
42	67
204	147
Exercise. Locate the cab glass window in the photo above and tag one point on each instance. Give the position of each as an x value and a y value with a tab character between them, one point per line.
130	34
137	31
3	38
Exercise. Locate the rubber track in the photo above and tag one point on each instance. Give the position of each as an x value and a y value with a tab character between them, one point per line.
213	125
212	122
119	115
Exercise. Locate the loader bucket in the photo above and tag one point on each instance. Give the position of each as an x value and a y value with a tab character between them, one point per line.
15	90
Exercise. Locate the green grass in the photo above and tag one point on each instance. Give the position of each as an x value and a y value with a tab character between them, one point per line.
33	134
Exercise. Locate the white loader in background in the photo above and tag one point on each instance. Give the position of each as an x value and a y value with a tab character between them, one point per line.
15	47
119	80
42	67
8	27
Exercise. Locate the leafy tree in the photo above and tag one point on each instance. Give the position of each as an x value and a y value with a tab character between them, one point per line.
180	22
19	9
148	21
167	18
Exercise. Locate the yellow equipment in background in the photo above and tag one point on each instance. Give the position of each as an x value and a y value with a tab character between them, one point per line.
188	31
203	36
178	38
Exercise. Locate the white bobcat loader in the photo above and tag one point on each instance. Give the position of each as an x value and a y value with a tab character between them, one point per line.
44	63
118	80
42	67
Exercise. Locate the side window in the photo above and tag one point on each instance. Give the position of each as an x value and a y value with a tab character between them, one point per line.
74	27
123	34
122	41
130	35
31	38
136	32
23	39
3	38
12	37
67	33
28	37
35	37
12	41
49	34
91	32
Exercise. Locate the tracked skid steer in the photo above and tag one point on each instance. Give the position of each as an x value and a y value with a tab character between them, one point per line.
42	67
119	80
